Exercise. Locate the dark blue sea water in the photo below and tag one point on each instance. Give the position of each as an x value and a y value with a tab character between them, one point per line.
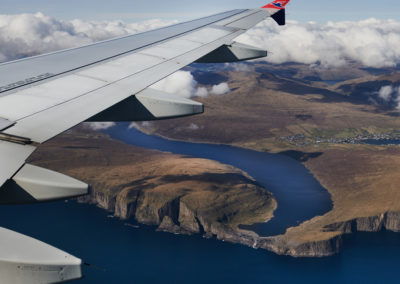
291	183
123	254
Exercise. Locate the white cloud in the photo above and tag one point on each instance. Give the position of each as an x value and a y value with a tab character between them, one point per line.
182	83
220	89
139	125
31	34
100	125
372	42
201	92
132	125
385	93
390	95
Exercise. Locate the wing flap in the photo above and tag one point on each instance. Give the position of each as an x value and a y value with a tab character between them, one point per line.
41	185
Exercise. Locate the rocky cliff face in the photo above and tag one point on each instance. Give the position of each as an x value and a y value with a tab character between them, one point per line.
189	196
173	216
282	245
176	193
389	221
177	217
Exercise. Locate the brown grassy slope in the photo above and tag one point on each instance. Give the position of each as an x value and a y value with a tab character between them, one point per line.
363	181
152	179
262	107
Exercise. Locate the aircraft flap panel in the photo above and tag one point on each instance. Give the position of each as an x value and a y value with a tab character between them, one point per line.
33	184
26	260
150	104
233	53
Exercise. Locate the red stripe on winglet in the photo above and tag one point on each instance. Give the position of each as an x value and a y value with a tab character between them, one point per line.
278	4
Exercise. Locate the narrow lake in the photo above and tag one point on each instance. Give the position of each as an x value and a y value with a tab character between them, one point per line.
291	183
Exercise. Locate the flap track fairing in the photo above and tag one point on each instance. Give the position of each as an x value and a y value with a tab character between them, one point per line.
233	53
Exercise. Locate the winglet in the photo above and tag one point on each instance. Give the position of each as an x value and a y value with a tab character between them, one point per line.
277	11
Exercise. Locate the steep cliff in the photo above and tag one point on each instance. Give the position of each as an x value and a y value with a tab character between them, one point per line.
195	196
364	183
176	193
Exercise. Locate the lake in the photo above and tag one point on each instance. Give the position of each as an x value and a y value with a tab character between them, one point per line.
291	183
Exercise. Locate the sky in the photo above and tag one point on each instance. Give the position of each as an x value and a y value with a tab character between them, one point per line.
320	11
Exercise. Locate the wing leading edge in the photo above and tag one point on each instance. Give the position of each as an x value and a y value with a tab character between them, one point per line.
43	96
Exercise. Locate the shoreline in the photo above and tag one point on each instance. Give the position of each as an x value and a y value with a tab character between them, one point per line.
283	245
277	244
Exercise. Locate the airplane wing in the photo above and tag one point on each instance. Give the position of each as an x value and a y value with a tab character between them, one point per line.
43	96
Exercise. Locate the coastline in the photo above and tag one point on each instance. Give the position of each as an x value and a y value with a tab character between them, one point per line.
313	238
175	193
319	242
281	244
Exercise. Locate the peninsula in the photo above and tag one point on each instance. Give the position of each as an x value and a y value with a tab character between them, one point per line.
177	194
